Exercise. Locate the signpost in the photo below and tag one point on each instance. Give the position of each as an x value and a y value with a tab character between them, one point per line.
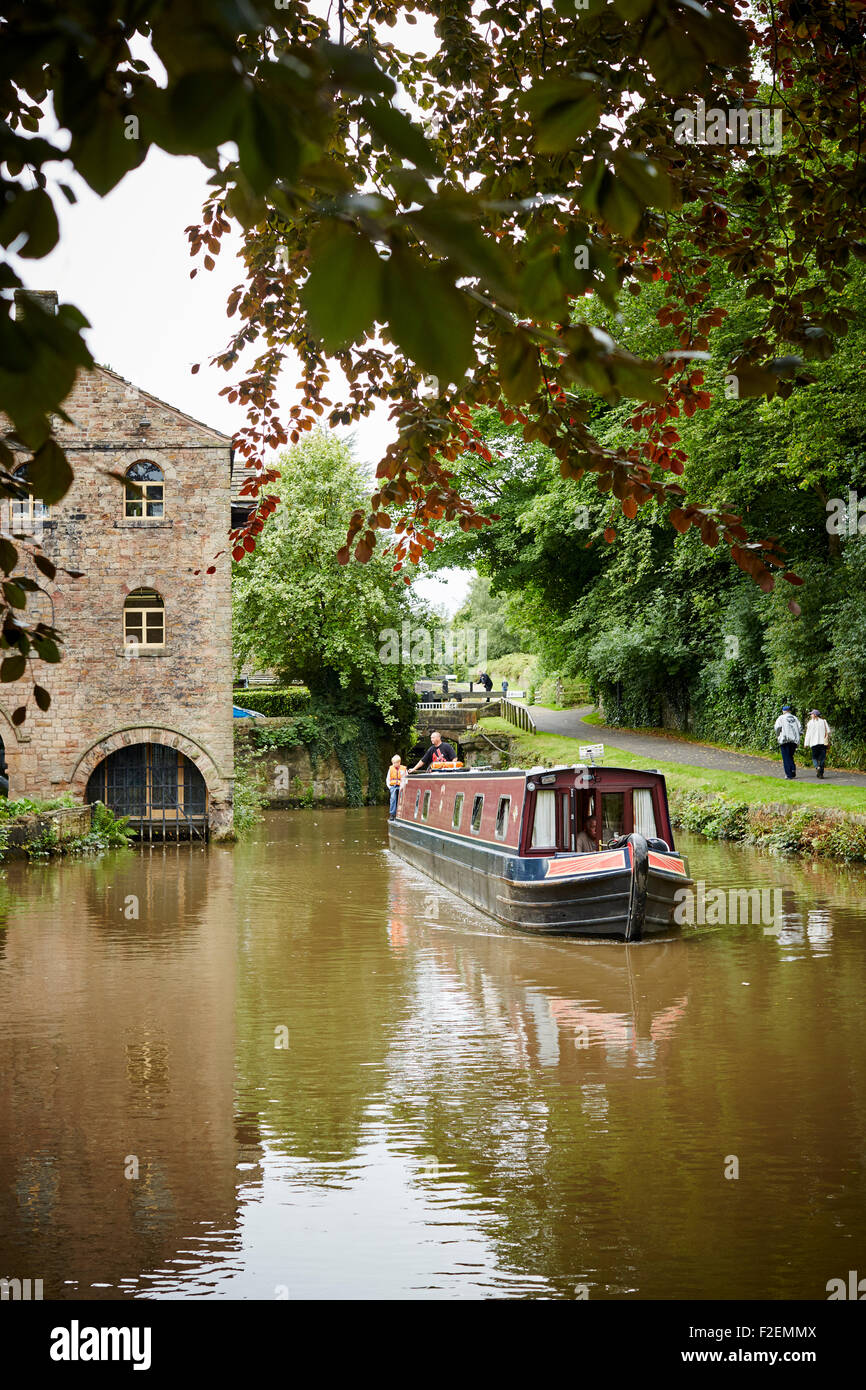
591	752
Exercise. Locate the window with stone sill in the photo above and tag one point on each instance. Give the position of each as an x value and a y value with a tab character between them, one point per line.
26	514
143	620
144	492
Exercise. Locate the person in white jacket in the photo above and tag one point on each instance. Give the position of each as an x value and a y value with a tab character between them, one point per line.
818	740
789	731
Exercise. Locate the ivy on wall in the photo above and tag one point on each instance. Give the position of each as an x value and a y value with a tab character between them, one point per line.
326	732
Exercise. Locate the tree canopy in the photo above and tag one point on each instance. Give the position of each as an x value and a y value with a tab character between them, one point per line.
449	211
300	613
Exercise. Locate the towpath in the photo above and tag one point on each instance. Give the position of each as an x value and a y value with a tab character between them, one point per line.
669	748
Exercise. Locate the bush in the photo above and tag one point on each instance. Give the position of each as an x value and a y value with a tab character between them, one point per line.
250	797
575	691
274	704
518	668
804	831
712	816
26	806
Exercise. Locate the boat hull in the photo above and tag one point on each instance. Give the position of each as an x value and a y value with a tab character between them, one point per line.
625	893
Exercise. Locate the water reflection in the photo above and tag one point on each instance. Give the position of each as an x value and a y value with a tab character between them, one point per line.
297	1068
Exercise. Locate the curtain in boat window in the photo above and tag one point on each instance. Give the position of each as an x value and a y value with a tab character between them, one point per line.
644	816
612	815
544	825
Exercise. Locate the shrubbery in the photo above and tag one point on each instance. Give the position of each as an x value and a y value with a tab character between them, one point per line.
804	831
274	702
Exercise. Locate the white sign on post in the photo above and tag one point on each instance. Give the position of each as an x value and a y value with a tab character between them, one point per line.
594	752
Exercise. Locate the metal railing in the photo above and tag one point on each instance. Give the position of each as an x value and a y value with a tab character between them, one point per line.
165	823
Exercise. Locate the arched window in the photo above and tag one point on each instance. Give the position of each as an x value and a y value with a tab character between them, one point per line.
143	619
26	513
145	490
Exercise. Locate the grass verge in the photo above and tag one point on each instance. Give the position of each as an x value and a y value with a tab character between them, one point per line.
532	750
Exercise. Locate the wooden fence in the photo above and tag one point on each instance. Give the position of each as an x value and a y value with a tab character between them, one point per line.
518	715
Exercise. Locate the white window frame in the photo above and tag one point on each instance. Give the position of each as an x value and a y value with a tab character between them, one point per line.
130	640
144	494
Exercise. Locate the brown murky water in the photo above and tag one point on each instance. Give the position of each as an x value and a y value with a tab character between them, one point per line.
296	1068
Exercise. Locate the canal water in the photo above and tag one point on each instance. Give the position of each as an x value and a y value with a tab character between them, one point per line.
296	1068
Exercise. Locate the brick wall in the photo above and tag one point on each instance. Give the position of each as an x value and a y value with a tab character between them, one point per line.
101	697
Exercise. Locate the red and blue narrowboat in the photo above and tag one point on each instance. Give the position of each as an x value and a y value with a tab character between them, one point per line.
572	851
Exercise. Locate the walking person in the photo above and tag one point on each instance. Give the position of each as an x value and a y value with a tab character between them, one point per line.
818	740
505	689
788	730
396	779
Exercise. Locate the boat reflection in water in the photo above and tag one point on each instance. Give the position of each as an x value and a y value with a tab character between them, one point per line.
568	851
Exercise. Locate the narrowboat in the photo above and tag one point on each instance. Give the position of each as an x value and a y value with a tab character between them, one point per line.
571	851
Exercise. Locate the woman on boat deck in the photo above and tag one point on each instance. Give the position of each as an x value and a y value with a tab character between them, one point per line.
396	779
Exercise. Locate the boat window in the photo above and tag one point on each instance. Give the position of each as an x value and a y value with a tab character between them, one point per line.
544	824
564	841
502	812
475	823
644	816
426	807
417	803
612	815
458	811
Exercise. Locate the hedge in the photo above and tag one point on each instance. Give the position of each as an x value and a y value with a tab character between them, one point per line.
274	703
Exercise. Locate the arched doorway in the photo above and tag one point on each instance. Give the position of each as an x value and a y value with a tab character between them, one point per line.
159	788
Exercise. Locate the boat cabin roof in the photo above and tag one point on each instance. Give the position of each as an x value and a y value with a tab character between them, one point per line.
589	774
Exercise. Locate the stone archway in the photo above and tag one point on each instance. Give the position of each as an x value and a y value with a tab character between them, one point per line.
217	784
12	736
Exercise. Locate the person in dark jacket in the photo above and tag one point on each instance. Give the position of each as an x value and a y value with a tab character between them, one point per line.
788	731
438	752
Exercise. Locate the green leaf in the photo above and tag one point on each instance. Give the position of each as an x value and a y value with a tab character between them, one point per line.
31	211
103	154
562	109
45	566
559	129
354	70
8	556
401	137
644	178
517	363
14	595
450	227
47	649
431	320
203	111
43	699
343	295
49	473
12	668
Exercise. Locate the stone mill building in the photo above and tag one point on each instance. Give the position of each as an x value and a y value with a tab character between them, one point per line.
141	703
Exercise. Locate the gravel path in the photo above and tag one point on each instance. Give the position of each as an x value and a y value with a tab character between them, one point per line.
672	749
